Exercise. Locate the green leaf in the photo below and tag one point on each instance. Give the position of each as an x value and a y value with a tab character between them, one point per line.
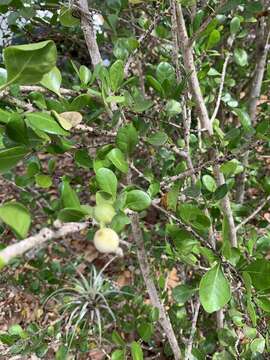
127	138
145	331
257	345
71	214
240	57
17	217
118	159
264	304
66	18
27	64
107	181
45	122
83	159
85	74
17	330
172	197
165	71
44	181
251	312
228	168
244	118
213	39
214	290
115	99
62	353
52	80
210	183
10	157
136	351
173	108
220	192
138	200
182	293
158	139
116	74
235	25
16	129
155	84
194	216
4	116
117	339
118	355
69	198
259	271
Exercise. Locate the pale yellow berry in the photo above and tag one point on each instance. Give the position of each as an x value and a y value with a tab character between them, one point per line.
106	241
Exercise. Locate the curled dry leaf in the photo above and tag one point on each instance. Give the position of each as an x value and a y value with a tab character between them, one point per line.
68	119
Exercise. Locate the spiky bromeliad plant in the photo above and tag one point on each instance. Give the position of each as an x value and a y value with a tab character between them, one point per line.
84	302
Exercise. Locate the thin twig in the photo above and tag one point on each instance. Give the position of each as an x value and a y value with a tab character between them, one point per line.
193	330
222	80
206	23
254	213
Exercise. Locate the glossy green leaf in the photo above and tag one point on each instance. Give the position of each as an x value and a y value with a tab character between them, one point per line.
155	84
157	139
264	304
145	330
43	181
16	129
228	168
209	182
213	39
69	198
83	159
85	74
138	200
17	217
43	121
10	157
116	74
119	222
182	293
107	181
240	57
52	80
66	18
127	138
27	64
244	118
214	290
257	345
118	159
136	351
235	25
118	355
173	108
4	116
259	271
71	214
194	216
165	71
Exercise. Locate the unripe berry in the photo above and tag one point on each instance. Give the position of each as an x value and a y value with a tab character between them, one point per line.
104	213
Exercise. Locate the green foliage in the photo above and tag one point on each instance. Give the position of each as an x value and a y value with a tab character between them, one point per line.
17	217
214	290
27	64
95	144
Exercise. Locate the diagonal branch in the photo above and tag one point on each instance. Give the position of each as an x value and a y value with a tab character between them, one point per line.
222	80
44	235
89	32
205	122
